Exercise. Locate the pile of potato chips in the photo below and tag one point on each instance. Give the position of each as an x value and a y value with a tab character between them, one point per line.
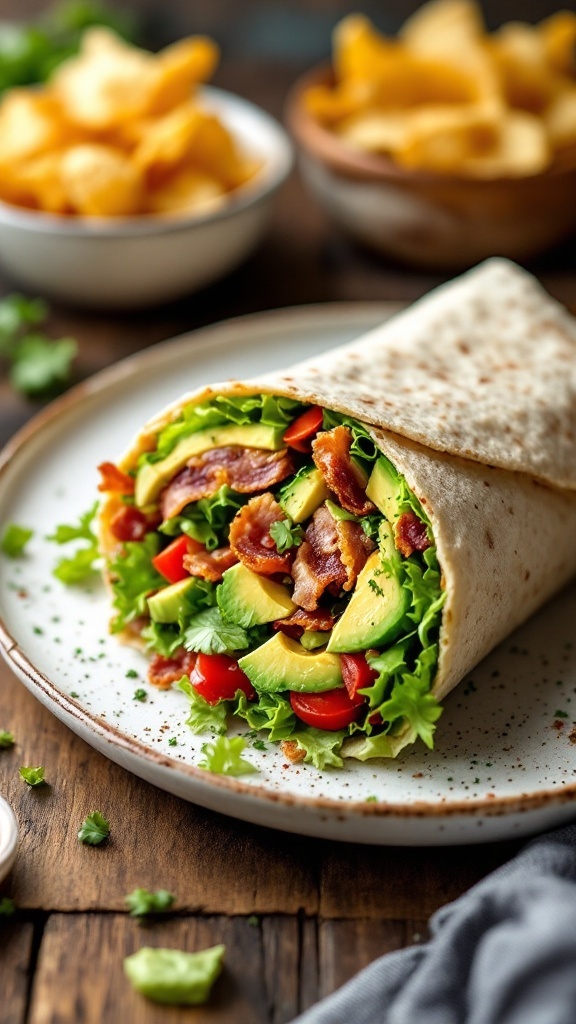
449	98
119	131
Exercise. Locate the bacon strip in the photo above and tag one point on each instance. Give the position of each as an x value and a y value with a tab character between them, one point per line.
250	538
319	620
162	672
244	469
331	453
210	565
410	534
330	557
114	480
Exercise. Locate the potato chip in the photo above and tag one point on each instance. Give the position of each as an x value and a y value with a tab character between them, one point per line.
444	27
178	69
559	40
560	119
187	191
168	140
443	139
359	51
40	183
101	181
30	123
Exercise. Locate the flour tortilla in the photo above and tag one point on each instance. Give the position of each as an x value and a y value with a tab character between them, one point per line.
471	393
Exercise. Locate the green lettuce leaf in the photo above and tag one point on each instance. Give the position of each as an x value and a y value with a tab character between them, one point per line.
208	520
14	539
223	757
322	747
411	698
272	713
134	578
203	717
162	638
219	411
363	748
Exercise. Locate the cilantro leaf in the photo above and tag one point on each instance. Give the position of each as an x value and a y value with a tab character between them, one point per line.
322	747
16	313
286	534
33	776
223	757
203	717
77	568
209	633
40	365
14	539
7	906
76	531
94	829
141	902
172	976
6	740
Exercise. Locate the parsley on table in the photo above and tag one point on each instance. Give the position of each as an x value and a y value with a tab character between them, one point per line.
286	534
141	902
14	539
6	740
222	756
33	776
38	365
94	829
81	564
7	906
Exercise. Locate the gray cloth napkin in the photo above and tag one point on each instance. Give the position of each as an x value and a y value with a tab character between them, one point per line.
503	953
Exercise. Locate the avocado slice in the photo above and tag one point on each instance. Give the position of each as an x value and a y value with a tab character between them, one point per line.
152	477
283	664
303	494
168	604
385	490
249	599
377	608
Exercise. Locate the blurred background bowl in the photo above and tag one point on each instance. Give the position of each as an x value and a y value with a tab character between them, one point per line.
432	221
8	838
131	262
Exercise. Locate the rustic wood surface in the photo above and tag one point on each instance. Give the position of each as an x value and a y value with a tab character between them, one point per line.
298	916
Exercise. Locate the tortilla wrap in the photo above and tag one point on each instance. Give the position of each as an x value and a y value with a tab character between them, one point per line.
471	394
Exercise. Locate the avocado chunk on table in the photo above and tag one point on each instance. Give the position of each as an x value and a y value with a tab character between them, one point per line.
384	488
168	604
376	613
248	599
302	495
152	477
283	664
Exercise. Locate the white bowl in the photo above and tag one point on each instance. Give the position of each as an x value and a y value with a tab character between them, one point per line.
129	262
8	838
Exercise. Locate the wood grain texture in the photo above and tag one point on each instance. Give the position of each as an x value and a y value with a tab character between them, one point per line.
16	939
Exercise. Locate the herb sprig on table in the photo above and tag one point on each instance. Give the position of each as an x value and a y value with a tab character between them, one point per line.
37	364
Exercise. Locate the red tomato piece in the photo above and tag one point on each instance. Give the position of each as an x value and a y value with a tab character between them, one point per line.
300	433
331	710
129	524
113	479
357	675
170	561
218	677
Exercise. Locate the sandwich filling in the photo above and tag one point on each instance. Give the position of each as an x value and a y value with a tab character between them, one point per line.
278	568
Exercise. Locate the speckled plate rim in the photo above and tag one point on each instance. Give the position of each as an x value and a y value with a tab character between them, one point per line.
65	707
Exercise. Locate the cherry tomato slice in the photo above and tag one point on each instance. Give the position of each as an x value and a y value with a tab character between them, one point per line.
331	710
129	524
218	677
170	562
357	675
113	479
300	433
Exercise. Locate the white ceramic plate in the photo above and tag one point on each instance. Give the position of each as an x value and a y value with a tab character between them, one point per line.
8	838
505	760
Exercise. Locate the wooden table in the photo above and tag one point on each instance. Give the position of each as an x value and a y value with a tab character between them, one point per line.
298	916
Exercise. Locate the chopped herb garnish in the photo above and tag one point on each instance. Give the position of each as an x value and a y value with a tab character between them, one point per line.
131	674
94	829
140	694
141	902
14	539
286	534
560	714
33	776
253	921
374	586
259	745
7	906
38	364
6	740
371	800
172	742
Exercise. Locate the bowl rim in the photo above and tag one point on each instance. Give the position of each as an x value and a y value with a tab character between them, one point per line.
318	141
8	837
278	163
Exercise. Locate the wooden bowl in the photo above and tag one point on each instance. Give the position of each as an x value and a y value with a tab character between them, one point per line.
439	222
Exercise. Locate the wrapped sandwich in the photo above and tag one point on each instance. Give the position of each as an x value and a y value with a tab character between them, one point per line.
330	549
